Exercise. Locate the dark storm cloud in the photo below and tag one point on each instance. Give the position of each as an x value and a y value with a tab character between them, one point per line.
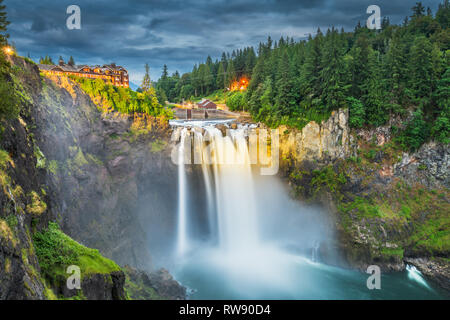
178	33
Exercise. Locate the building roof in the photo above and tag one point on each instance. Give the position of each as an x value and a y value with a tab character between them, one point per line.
207	104
78	68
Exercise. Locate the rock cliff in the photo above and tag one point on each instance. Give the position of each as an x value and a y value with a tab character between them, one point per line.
94	173
390	207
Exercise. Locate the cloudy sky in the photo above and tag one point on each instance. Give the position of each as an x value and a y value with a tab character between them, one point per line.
178	33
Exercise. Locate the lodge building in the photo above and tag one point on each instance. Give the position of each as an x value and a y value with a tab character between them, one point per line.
110	73
207	104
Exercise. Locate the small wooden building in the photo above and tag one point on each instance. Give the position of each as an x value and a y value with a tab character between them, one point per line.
207	104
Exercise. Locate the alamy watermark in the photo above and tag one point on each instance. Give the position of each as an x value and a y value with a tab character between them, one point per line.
74	280
374	281
258	147
74	20
374	21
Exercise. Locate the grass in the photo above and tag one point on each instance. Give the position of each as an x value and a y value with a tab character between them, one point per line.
392	252
362	207
56	251
139	291
136	289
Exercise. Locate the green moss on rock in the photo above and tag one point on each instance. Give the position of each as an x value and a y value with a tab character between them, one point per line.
56	251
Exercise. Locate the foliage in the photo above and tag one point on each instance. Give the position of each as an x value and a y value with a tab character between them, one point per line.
146	82
416	132
56	251
3	24
138	289
9	100
327	177
123	100
237	101
376	74
356	112
46	60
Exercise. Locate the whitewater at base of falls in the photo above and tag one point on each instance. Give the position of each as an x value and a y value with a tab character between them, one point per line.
240	235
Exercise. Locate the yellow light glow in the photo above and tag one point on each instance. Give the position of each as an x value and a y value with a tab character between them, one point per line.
8	50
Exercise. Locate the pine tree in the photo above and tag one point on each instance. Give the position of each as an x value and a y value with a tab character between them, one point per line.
416	131
250	61
377	111
441	127
357	113
220	79
196	82
231	73
46	60
313	66
146	81
206	78
395	70
418	10
285	98
3	24
71	61
443	14
421	69
165	73
160	95
332	75
358	66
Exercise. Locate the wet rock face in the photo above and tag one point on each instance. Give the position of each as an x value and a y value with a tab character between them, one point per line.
19	277
104	287
430	166
95	287
101	167
166	286
92	173
160	282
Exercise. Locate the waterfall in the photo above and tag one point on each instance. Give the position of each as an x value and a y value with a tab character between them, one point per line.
229	188
182	196
239	235
207	179
234	190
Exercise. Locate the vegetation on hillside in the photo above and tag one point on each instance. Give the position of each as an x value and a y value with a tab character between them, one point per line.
56	251
123	100
3	24
9	100
399	70
398	218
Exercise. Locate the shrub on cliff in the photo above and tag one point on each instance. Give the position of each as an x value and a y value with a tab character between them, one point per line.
56	251
9	102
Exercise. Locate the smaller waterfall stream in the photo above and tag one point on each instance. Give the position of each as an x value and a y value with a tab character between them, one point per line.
182	197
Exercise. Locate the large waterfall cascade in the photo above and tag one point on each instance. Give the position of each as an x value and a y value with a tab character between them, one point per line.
240	235
229	186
